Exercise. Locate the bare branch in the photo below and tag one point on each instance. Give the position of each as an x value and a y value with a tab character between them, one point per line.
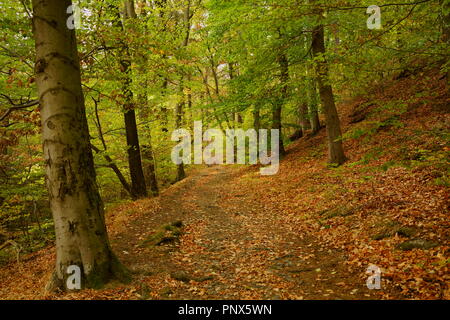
16	107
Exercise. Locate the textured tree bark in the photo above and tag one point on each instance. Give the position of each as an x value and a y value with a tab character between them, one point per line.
257	121
277	117
81	237
303	121
138	186
276	124
231	75
181	174
149	168
445	20
190	116
237	117
313	107
144	113
336	151
160	6
311	90
304	117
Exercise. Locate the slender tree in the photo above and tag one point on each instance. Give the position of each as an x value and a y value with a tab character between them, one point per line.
180	105
313	107
336	151
277	112
138	186
148	159
110	161
304	117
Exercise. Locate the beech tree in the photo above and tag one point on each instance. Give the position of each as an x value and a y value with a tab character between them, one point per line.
277	112
76	205
335	150
138	186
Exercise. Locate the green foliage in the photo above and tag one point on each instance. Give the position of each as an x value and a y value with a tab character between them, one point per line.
391	119
367	158
229	67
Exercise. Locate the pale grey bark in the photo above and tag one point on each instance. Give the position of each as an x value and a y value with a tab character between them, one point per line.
81	237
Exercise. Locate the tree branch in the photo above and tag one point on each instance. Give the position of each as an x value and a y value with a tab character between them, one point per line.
16	107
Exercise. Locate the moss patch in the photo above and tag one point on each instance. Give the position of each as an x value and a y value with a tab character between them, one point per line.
417	244
390	229
166	234
340	211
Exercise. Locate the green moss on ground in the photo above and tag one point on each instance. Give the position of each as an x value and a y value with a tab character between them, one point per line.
166	234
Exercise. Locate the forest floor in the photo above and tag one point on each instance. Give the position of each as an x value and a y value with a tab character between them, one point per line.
309	232
230	247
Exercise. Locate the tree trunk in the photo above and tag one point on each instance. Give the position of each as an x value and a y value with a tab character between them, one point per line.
311	90
303	121
147	149
256	121
445	18
138	187
181	174
111	163
81	237
445	12
149	167
336	151
313	107
276	122
304	117
116	170
237	117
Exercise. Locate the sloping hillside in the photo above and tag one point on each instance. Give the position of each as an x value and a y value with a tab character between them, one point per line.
309	232
389	204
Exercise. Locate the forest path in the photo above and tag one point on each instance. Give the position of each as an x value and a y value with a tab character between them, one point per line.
230	248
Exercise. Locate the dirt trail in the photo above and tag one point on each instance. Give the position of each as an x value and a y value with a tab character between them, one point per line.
231	248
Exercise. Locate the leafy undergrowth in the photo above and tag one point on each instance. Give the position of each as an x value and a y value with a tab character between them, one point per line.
392	194
309	232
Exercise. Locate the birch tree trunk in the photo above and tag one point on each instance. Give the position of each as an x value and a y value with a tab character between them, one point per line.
81	237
